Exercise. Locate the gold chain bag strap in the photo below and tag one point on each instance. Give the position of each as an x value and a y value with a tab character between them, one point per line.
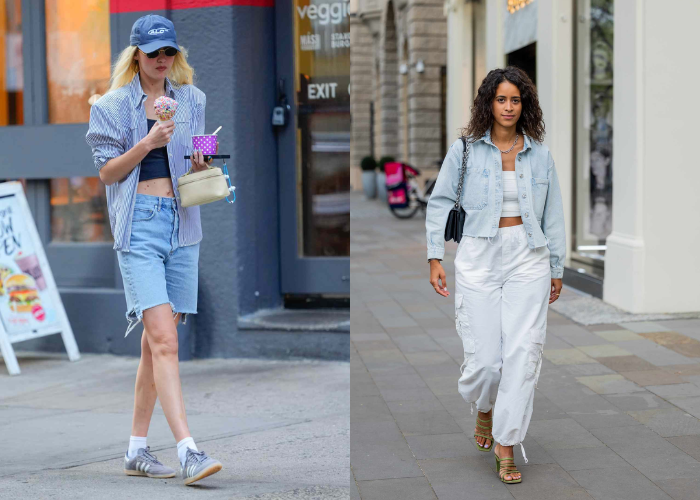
207	186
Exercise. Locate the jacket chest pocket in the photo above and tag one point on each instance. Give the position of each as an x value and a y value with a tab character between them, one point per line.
540	185
475	193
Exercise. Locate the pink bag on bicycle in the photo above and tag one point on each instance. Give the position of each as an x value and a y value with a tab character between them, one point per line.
394	174
397	193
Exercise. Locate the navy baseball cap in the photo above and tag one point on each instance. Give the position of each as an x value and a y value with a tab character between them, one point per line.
153	32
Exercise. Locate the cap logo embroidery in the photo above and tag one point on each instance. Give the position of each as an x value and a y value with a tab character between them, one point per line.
157	31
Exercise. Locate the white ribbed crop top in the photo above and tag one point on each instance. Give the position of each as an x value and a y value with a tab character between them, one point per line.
511	207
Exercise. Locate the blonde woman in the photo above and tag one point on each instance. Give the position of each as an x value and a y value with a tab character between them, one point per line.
157	241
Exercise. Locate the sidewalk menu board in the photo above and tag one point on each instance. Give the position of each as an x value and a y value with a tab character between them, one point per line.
30	305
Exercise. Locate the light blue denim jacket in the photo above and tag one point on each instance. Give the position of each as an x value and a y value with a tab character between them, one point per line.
539	195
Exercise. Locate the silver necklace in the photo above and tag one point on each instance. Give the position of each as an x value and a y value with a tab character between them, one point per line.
511	148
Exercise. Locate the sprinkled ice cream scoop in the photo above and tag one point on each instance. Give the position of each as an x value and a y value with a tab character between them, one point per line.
165	108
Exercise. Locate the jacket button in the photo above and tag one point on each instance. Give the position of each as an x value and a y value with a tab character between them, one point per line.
529	234
521	176
526	214
524	195
519	158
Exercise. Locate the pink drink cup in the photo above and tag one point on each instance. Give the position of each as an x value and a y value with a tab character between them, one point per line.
205	143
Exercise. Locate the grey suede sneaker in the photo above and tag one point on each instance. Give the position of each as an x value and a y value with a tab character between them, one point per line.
145	464
198	466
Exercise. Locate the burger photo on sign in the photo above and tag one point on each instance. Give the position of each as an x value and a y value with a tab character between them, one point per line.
4	273
22	291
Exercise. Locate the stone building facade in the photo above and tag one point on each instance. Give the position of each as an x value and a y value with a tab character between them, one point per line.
398	82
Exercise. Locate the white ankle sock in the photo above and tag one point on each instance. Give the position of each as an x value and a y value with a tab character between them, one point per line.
135	443
182	446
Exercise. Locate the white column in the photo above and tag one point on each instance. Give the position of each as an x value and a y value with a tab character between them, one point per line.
555	92
495	10
651	262
460	86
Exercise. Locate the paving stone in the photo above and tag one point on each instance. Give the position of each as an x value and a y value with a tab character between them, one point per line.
617	335
429	358
561	434
596	419
554	342
415	406
396	321
603	351
443	446
684	370
675	390
366	337
359	389
643	326
588	369
544	409
652	377
424	423
681	489
627	363
637	401
600	457
546	482
410	380
654	353
691	405
443	385
412	488
386	460
668	422
536	454
449	369
400	331
567	357
370	408
618	483
687	444
634	442
407	394
609	384
464	479
354	492
666	337
687	350
373	345
604	327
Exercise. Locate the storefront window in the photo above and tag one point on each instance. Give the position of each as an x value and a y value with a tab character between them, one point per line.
322	39
77	57
79	210
593	221
11	63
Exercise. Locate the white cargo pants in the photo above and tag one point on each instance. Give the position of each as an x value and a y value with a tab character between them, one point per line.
501	299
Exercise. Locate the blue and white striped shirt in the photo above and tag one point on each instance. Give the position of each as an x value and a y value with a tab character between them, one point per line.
117	124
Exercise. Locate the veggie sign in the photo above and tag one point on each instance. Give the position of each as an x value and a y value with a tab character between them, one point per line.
30	305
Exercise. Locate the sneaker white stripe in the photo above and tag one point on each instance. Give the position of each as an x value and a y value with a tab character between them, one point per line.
148	466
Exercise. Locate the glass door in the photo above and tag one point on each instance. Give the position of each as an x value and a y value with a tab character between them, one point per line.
594	96
314	146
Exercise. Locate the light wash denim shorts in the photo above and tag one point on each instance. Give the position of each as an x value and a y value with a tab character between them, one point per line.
156	270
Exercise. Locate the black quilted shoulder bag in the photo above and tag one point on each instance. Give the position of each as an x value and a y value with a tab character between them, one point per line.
455	220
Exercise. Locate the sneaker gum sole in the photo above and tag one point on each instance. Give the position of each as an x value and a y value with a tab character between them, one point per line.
140	473
206	472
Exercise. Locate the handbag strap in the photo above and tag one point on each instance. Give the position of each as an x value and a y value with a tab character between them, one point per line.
465	157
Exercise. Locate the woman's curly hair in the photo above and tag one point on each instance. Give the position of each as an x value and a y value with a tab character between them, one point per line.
530	121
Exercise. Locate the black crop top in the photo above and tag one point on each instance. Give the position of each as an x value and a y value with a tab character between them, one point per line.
155	164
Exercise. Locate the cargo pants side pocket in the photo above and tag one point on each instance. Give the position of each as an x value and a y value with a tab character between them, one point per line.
463	330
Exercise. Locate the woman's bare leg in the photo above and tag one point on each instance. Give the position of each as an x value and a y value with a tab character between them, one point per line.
145	393
161	334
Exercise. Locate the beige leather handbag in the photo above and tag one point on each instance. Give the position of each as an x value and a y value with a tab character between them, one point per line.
198	188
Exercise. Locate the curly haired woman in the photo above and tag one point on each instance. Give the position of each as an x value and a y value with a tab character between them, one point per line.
509	260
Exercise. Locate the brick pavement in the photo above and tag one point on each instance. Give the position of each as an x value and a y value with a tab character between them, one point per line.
616	408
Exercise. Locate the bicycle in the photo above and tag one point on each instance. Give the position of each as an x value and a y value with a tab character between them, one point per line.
417	196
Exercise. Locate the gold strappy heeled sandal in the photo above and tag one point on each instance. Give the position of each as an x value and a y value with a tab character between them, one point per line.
488	436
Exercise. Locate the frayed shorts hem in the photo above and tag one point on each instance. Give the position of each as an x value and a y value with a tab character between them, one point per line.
135	316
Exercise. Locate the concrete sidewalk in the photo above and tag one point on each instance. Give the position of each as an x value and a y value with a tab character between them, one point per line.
280	428
616	408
